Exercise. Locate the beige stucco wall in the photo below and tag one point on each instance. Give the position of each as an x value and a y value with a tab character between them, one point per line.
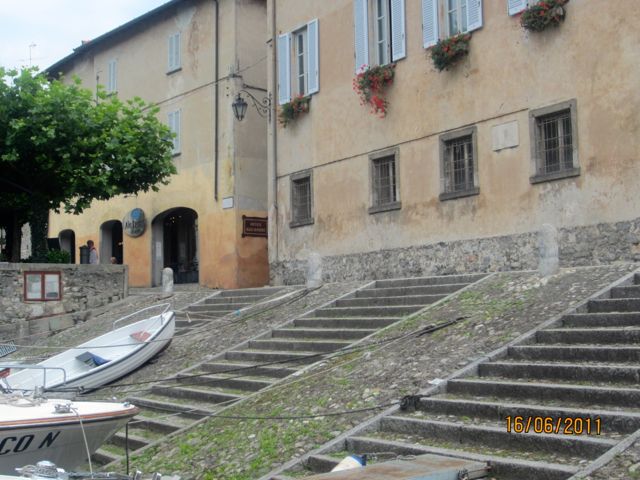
142	63
592	57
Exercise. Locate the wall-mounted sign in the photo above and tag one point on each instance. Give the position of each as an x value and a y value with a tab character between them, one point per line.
134	223
254	227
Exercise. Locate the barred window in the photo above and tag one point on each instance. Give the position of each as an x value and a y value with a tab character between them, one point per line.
458	165
554	152
301	200
384	181
555	142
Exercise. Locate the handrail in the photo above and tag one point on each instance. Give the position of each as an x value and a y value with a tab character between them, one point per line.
166	307
23	366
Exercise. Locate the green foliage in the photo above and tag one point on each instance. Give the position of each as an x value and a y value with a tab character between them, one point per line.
449	51
293	109
61	147
58	256
543	14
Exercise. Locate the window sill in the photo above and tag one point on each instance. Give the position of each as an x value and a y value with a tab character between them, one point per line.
387	207
176	154
301	223
461	194
550	177
175	70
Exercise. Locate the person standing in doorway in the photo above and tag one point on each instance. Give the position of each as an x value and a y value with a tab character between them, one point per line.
93	253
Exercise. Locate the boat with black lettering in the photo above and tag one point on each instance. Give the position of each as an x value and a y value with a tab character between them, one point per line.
64	432
98	361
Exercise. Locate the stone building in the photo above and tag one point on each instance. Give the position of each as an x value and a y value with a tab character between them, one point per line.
191	58
527	128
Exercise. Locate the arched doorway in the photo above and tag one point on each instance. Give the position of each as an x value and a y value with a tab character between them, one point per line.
68	243
111	242
175	245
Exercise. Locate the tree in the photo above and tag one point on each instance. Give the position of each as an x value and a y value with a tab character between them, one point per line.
62	148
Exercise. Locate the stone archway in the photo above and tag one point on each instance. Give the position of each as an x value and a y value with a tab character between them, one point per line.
175	245
111	242
68	243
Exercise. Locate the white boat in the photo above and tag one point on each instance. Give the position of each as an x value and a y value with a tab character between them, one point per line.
32	430
98	361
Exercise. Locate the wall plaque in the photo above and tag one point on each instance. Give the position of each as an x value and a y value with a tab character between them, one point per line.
134	223
254	227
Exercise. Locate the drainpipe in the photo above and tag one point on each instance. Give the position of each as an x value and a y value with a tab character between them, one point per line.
216	102
274	128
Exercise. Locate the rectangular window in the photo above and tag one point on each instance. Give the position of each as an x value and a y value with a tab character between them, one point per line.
112	77
384	182
174	53
459	164
301	199
457	16
381	31
379	28
554	146
300	61
42	286
175	121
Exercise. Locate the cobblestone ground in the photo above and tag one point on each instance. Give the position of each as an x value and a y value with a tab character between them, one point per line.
494	312
624	466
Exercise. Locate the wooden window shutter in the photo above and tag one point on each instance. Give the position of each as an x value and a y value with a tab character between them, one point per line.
430	32
313	57
474	15
361	30
284	68
398	30
516	6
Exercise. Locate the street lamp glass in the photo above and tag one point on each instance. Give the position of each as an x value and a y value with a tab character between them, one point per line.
239	107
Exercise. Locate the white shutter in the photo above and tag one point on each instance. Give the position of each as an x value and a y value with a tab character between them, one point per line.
429	23
112	78
398	30
361	29
474	15
170	49
174	126
284	68
516	6
313	58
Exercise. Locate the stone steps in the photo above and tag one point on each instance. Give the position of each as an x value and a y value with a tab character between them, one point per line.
221	382
586	368
322	333
562	371
582	320
503	466
390	301
348	322
423	281
202	388
417	290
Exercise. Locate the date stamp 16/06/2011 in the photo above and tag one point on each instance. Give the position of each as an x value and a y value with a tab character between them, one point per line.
555	425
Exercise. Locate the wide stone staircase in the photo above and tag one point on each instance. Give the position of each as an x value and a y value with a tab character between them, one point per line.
220	305
543	411
259	363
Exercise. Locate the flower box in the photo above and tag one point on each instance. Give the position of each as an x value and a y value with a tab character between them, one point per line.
448	51
290	111
371	84
543	14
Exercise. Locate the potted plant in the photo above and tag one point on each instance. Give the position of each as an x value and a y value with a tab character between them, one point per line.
543	14
371	85
448	51
293	109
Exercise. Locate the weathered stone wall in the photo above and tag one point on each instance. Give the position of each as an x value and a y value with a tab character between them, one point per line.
84	287
579	246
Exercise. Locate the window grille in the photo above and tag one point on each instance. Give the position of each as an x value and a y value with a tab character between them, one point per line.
384	181
301	200
554	142
458	164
